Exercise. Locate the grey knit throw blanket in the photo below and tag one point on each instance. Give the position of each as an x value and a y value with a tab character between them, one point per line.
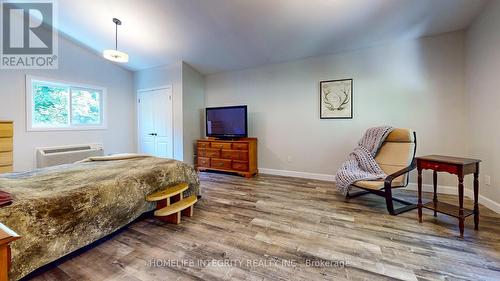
361	164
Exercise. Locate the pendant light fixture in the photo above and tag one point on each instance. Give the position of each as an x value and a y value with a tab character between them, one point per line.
115	55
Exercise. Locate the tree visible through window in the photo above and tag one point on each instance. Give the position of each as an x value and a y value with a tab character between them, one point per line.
62	106
50	106
85	107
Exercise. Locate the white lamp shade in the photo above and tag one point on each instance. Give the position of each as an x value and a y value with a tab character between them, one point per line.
114	55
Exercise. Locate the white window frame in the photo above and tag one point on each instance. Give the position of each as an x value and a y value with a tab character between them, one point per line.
29	105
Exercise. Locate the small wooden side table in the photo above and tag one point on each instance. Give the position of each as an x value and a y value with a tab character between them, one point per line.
6	236
453	165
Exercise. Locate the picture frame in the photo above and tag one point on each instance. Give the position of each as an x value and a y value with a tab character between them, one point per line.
335	99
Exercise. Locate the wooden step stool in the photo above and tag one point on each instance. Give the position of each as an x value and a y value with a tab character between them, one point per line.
170	204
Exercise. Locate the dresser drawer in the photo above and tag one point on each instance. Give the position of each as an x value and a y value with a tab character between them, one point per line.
5	144
5	169
212	153
235	154
221	164
5	158
240	166
203	162
223	145
240	146
6	130
203	144
437	166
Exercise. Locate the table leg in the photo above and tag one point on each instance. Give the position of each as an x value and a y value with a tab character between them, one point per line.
435	199
4	262
419	203
461	204
476	195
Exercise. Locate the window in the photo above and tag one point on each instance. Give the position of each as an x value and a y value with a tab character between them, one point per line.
64	106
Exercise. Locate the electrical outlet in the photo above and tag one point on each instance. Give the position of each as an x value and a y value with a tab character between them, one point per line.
487	180
289	159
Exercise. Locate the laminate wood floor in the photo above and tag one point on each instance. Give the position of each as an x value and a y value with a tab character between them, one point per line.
280	228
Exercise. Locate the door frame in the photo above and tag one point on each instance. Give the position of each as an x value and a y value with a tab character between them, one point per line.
138	133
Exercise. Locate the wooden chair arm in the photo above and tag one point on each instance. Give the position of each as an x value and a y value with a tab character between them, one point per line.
388	180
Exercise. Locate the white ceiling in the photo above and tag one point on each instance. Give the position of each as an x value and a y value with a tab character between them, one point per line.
222	35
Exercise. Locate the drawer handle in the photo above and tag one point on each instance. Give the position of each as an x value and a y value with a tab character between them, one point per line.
220	164
436	166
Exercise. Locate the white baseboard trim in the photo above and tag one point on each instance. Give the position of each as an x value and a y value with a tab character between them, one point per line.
442	189
296	174
488	203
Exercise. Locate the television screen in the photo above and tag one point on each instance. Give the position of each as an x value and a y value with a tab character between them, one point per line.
227	122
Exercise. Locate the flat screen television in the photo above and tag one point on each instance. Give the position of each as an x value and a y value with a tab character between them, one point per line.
227	122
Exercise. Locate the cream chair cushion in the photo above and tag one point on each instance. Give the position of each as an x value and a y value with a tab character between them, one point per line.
396	153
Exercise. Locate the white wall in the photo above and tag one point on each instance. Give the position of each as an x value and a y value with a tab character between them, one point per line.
76	64
193	94
483	95
417	84
162	76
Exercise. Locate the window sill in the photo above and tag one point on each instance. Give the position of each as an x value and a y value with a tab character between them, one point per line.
89	128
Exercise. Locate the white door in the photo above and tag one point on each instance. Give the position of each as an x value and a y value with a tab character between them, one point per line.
155	122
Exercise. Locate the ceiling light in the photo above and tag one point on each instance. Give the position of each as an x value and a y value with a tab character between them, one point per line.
115	55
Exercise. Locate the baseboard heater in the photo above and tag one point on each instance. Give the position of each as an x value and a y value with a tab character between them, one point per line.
52	156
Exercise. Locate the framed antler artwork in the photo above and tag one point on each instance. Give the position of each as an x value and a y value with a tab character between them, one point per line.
335	99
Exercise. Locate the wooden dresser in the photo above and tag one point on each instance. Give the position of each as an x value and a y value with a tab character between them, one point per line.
6	146
239	156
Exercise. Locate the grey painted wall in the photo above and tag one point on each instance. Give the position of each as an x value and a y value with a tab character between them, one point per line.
416	84
188	101
163	76
76	64
193	88
483	84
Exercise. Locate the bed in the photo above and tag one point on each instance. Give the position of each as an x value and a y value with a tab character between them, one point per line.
60	209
